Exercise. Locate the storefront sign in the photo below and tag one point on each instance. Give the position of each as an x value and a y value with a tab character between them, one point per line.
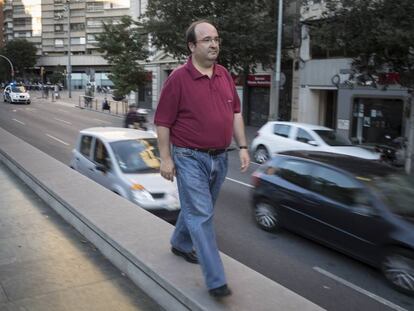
258	80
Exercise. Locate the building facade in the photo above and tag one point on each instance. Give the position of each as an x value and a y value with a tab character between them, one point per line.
326	93
46	24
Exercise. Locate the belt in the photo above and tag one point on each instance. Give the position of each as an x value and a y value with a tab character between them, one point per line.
213	152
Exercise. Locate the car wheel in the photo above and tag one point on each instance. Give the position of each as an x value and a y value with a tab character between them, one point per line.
266	216
261	154
398	269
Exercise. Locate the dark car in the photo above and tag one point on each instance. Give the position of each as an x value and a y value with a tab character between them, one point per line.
359	207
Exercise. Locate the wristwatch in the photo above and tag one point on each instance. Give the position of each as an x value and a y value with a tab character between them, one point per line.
243	147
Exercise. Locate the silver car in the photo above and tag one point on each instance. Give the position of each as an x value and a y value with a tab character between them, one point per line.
126	161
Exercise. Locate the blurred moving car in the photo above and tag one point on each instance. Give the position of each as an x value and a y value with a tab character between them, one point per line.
276	136
16	94
126	161
362	208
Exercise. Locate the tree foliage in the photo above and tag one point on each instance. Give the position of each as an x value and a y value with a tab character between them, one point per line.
247	27
22	54
58	75
378	34
124	45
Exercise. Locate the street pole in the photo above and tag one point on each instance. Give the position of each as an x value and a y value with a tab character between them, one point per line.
410	140
11	67
274	106
69	66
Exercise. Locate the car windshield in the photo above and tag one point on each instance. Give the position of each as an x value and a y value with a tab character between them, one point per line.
332	138
18	89
137	156
398	193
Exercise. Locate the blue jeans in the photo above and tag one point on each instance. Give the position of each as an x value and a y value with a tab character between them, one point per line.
199	178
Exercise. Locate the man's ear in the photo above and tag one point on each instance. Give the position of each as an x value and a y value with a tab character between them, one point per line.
191	46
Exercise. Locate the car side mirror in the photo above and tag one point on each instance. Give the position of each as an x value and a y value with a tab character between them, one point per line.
313	143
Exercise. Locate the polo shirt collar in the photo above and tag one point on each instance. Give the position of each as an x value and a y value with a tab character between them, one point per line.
195	74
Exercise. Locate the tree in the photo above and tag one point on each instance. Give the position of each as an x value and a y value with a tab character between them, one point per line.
124	46
22	54
247	27
58	75
378	34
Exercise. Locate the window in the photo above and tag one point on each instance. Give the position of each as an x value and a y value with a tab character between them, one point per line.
59	14
77	27
94	23
58	42
281	130
296	172
337	186
22	22
100	154
80	40
59	28
91	38
94	6
23	34
85	146
303	136
18	9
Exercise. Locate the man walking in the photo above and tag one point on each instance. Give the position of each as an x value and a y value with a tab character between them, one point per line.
198	113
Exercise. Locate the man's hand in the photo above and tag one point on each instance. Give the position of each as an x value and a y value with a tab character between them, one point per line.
244	160
167	169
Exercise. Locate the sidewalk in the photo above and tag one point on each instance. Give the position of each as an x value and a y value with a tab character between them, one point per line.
45	264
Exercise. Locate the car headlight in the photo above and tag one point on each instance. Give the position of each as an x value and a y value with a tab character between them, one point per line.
140	194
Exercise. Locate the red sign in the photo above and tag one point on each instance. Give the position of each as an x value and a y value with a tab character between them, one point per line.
258	80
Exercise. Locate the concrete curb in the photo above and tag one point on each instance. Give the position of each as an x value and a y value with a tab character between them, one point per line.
135	241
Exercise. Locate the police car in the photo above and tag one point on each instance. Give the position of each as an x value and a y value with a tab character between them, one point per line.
16	94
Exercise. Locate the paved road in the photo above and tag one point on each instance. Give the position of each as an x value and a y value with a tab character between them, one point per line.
325	277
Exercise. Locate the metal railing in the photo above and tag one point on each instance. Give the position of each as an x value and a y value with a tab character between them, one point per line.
91	103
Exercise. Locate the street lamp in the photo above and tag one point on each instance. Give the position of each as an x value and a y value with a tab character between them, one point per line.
274	105
69	66
11	67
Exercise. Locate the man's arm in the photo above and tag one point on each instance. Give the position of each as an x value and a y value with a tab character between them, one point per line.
240	137
167	168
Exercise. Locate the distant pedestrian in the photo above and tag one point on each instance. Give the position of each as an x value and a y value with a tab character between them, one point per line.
198	113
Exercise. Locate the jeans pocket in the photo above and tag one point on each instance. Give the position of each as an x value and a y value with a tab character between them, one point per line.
183	152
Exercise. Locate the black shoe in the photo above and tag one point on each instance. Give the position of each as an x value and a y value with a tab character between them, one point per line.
220	292
190	257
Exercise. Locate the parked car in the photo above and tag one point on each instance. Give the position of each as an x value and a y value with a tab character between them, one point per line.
362	208
126	161
275	137
16	94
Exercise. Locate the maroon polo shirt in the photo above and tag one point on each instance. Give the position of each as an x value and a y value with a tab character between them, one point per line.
198	110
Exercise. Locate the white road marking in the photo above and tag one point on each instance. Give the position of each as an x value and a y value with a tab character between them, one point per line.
57	139
101	120
19	121
239	182
63	111
60	120
360	290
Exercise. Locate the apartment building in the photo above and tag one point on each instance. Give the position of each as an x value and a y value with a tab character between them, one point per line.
46	24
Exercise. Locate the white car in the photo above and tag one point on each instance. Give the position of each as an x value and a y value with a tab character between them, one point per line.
275	137
126	161
16	94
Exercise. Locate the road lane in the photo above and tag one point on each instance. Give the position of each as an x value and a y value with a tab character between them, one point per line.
285	258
